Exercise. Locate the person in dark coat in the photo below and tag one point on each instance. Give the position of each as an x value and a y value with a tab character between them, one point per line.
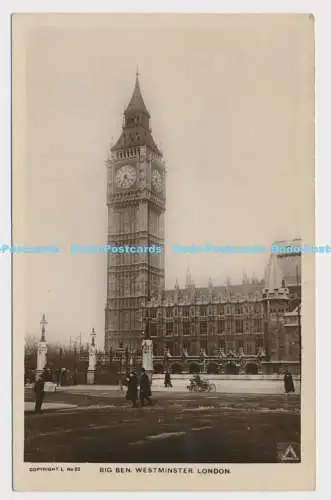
132	392
167	379
145	388
288	382
39	389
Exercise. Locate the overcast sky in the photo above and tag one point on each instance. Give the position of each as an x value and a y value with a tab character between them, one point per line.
230	99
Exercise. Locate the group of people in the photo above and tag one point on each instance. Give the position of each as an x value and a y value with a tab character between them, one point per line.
145	392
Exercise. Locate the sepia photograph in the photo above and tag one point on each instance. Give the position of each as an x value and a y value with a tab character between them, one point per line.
163	250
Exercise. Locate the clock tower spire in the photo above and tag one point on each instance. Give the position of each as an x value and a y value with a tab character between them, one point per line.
136	206
136	124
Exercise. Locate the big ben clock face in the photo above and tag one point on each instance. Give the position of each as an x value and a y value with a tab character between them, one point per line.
157	181
125	176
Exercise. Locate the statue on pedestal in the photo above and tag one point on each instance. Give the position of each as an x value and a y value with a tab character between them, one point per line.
42	349
147	354
92	359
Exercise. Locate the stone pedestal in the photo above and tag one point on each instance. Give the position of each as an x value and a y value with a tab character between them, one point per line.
91	377
41	358
147	358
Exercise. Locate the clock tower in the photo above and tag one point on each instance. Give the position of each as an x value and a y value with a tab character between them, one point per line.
136	206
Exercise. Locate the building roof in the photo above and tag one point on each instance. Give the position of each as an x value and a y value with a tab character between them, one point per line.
247	291
138	134
144	138
137	102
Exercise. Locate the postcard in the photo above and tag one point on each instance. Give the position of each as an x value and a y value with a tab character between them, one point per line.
163	252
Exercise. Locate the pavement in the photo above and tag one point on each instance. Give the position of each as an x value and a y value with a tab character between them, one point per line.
29	406
231	386
96	424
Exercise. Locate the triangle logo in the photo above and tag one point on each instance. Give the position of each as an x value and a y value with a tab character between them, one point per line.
290	455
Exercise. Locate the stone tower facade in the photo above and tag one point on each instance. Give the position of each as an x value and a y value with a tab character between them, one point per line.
136	205
276	305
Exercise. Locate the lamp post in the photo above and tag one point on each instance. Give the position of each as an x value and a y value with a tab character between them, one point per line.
121	370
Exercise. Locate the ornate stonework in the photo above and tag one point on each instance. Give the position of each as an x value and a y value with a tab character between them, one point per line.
135	214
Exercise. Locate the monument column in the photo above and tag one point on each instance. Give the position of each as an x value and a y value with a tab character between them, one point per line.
42	349
92	359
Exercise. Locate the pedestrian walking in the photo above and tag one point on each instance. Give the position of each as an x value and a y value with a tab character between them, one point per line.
39	389
167	379
132	392
145	388
288	382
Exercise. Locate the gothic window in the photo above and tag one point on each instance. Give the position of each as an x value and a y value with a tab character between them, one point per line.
239	326
126	321
186	328
237	308
169	329
153	330
220	325
203	328
153	313
203	311
186	311
127	220
168	312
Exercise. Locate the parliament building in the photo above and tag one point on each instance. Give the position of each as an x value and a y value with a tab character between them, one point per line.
250	328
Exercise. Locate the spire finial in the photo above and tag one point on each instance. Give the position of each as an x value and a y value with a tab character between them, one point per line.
137	72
